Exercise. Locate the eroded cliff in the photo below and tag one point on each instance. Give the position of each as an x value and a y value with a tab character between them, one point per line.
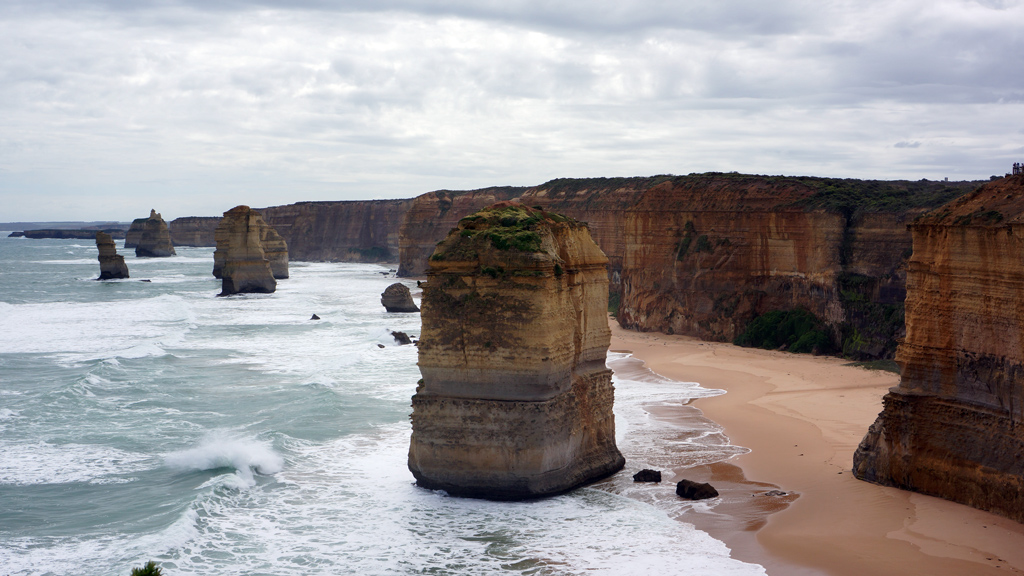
515	401
272	246
952	426
358	231
194	230
155	240
111	263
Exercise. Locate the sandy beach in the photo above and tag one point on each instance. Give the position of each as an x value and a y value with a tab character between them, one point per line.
802	417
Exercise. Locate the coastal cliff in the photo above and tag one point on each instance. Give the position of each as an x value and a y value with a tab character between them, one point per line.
357	231
952	426
194	230
516	400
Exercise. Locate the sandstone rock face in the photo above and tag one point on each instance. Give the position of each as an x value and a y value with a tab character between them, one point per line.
397	298
194	230
111	263
274	247
155	241
361	231
134	233
244	266
515	401
952	427
432	215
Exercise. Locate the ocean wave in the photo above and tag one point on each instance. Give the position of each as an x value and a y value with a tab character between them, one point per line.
245	456
44	463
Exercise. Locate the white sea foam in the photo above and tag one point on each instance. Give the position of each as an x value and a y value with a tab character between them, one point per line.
245	456
44	463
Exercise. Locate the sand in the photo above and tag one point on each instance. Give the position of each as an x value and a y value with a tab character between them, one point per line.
802	417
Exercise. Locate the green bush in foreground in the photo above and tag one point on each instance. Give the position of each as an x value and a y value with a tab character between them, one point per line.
798	330
150	569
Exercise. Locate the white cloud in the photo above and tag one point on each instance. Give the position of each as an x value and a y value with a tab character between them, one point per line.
112	108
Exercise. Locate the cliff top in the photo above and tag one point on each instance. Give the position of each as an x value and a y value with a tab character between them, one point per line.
505	227
996	203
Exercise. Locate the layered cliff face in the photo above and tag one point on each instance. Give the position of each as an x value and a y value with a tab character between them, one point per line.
515	401
363	231
272	245
430	216
194	230
155	240
705	254
134	233
111	263
243	265
952	427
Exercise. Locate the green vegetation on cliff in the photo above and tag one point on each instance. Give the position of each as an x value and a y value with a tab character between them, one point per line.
507	228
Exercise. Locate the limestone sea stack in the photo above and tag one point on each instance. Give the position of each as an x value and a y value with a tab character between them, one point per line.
245	268
515	400
274	247
155	240
952	428
134	233
397	298
111	263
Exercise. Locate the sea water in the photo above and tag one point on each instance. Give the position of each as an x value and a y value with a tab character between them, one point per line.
148	419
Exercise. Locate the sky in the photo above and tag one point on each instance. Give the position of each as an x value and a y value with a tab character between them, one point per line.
110	108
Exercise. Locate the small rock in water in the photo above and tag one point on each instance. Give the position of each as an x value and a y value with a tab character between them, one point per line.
647	475
402	338
775	493
695	490
380	345
314	317
145	280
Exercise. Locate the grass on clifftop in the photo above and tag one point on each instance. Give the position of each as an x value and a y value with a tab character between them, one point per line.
507	228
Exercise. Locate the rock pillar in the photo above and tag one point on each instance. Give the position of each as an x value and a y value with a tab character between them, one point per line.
111	263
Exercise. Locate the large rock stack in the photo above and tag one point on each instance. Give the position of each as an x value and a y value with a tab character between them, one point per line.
111	263
240	260
274	247
952	428
155	240
516	400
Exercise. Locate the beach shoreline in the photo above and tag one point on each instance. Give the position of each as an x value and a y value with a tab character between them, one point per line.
802	417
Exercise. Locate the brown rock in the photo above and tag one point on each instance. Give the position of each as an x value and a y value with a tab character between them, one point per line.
239	246
397	298
516	401
134	233
647	475
155	240
952	426
275	249
111	263
695	490
194	230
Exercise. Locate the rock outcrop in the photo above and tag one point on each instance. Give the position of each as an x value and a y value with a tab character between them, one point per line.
398	298
194	231
64	234
155	240
952	428
134	233
358	231
273	246
111	263
244	267
516	400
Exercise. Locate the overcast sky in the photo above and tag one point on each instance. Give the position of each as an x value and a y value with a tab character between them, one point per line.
108	109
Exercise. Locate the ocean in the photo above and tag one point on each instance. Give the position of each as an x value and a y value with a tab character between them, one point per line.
148	419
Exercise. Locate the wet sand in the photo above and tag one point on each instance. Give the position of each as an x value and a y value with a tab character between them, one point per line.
802	417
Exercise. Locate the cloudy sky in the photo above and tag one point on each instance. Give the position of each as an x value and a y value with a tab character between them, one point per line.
110	108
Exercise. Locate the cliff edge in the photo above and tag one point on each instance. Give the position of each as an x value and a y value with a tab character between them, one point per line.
515	400
952	427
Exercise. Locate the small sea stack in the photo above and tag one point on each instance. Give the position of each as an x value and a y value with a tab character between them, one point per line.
245	268
275	249
398	298
515	400
155	239
112	264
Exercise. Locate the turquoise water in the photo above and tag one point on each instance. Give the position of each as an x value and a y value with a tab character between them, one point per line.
155	421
